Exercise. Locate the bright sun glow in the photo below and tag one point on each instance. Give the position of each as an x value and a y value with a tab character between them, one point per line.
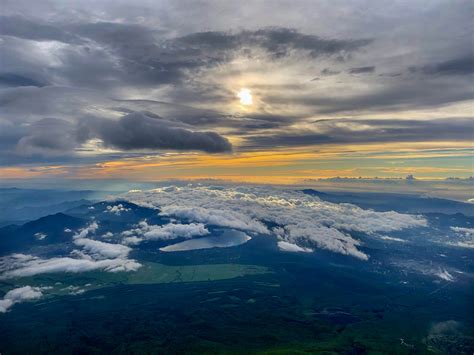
245	97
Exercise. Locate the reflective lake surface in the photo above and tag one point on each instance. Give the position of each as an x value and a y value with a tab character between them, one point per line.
228	238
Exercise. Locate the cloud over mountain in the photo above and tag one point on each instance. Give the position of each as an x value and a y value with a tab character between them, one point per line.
298	219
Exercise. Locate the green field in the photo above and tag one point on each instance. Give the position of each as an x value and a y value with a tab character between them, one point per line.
149	273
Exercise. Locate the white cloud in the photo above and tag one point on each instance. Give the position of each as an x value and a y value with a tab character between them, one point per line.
469	244
132	240
94	255
101	250
108	235
84	232
466	236
117	209
74	290
166	232
30	265
224	218
444	275
304	220
468	232
392	239
18	295
98	249
285	246
40	236
428	268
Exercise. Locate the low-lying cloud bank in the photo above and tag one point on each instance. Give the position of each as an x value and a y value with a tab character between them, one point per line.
92	255
299	222
302	222
145	231
465	237
18	295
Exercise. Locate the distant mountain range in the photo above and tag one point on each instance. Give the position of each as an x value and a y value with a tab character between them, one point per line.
403	203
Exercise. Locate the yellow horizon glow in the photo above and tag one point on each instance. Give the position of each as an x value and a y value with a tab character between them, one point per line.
289	165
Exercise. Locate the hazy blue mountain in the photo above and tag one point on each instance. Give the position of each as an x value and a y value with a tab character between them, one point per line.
408	203
22	205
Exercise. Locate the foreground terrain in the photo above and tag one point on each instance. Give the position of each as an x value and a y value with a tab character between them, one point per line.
277	272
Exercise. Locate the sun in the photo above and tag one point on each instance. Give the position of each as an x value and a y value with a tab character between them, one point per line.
245	97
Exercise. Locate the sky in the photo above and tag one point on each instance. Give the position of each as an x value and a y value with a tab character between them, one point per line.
255	91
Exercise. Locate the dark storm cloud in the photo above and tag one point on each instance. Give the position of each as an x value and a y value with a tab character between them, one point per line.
362	70
348	131
134	131
458	66
138	131
53	139
278	42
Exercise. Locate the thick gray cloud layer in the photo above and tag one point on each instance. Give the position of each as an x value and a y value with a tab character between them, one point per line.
371	131
138	131
134	131
135	76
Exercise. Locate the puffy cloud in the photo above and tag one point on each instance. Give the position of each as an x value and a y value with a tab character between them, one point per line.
302	220
466	237
28	265
285	246
98	249
165	232
93	255
216	216
117	209
464	231
84	232
74	290
101	250
18	295
134	240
